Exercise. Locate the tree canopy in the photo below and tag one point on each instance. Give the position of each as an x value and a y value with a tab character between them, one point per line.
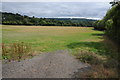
17	19
111	23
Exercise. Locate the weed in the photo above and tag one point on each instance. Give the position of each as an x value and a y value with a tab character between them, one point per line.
89	57
15	50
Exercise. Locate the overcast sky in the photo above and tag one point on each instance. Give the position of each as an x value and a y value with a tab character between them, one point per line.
56	0
58	9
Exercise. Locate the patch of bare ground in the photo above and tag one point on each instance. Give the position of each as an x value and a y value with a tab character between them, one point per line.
58	64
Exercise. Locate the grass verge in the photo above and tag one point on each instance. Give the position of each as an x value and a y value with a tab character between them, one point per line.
102	56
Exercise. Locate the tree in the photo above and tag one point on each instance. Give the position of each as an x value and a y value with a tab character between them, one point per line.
17	19
115	2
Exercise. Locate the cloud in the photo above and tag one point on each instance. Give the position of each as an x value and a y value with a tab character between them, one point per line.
56	0
55	9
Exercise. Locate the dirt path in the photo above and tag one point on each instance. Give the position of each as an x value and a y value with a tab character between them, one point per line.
59	64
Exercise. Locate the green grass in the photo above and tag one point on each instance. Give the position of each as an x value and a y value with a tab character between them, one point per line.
49	38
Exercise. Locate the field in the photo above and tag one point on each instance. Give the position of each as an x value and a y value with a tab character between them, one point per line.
88	45
44	38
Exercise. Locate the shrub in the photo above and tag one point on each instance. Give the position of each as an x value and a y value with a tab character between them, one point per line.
99	25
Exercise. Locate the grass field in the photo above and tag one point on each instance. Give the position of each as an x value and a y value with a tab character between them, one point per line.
49	38
86	44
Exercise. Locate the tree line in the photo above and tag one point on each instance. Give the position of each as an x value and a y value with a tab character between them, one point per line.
17	19
111	22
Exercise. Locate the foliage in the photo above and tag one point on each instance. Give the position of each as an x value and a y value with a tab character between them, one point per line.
17	19
111	24
116	26
99	25
103	61
112	30
115	2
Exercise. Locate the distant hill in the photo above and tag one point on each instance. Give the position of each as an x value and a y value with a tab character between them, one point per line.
74	19
17	19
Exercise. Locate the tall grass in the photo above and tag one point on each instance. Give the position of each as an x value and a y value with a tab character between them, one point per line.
89	57
15	51
103	60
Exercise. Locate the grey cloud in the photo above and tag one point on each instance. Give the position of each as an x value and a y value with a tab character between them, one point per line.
55	9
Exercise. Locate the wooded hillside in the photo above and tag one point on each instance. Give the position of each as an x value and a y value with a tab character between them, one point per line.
17	19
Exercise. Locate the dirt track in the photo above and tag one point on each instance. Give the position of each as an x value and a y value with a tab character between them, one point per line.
58	64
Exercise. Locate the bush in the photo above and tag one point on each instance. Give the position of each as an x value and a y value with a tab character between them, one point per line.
99	25
113	24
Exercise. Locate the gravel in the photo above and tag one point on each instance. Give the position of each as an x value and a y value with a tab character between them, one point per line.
58	64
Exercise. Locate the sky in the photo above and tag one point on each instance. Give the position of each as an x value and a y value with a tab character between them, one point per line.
90	9
56	0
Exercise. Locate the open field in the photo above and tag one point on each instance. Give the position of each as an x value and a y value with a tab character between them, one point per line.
86	44
49	38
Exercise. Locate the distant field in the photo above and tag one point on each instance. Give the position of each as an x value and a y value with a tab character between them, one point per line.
49	38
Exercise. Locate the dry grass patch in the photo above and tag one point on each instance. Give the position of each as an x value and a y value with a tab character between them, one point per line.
16	51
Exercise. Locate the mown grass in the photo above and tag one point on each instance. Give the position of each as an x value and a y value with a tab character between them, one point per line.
88	45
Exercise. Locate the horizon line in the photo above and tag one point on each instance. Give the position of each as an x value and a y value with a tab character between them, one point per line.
56	17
